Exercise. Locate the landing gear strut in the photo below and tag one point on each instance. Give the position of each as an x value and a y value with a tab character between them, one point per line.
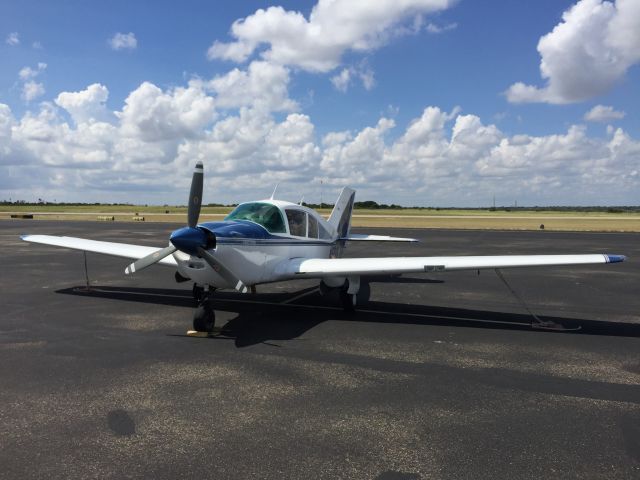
198	293
349	301
204	316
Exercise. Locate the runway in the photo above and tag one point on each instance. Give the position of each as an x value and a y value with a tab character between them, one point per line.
439	376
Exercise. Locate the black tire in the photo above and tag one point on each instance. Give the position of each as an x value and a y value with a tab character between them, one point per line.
347	300
204	318
364	294
325	290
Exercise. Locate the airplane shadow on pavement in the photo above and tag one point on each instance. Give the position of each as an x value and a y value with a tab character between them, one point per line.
265	317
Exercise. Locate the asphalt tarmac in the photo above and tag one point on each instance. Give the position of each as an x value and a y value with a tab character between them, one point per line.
439	376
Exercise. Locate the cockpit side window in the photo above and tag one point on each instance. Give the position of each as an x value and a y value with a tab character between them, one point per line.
264	214
297	222
313	227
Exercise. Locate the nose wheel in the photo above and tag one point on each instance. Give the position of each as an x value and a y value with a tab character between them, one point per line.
204	316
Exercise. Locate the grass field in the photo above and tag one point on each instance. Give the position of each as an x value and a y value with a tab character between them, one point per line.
406	218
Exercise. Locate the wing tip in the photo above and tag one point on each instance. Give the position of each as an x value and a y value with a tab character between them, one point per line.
614	258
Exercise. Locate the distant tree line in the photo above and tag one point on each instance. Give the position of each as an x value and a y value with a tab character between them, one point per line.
369	205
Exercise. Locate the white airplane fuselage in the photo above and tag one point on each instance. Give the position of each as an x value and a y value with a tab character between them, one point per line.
253	252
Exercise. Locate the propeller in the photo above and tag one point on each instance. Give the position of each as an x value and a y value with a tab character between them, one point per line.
223	271
191	239
144	262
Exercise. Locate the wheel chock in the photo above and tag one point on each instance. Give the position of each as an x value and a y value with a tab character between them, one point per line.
194	333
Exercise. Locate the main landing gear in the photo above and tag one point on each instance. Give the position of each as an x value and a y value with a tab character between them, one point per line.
349	301
204	316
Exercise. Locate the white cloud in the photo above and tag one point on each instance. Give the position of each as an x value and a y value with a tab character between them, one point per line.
6	124
341	80
602	113
153	115
36	45
263	85
123	41
85	105
145	151
28	73
32	90
318	43
367	77
13	39
586	54
435	29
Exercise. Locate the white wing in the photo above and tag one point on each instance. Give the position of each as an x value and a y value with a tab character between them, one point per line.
123	250
316	267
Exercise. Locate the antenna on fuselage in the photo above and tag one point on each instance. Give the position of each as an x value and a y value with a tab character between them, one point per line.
301	200
274	191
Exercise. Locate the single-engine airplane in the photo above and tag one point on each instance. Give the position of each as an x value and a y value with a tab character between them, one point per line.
272	240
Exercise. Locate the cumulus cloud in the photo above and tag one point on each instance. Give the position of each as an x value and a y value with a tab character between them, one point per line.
154	115
603	113
6	124
13	39
123	41
145	151
261	85
318	43
85	105
586	53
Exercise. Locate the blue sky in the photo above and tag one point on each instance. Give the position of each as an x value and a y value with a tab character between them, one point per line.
439	103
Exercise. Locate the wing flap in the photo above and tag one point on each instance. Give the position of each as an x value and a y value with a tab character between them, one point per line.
123	250
395	265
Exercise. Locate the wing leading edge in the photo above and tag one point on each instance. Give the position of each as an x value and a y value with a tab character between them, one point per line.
123	250
315	267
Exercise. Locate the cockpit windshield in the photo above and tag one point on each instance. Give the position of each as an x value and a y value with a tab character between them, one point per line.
265	214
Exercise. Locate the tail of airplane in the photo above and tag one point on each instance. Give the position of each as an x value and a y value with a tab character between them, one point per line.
340	217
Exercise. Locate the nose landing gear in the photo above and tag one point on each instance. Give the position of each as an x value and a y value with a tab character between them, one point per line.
204	316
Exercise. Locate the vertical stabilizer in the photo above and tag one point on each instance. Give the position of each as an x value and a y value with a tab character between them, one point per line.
340	217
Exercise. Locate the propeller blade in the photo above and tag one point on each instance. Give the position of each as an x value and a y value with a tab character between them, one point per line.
144	262
224	272
195	195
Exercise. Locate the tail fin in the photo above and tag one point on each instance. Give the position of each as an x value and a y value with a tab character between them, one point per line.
340	217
